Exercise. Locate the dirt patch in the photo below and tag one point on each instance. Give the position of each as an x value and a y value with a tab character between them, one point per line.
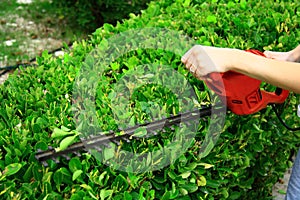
29	27
32	40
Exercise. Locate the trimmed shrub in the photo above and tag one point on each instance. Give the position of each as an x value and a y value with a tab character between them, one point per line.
251	154
91	14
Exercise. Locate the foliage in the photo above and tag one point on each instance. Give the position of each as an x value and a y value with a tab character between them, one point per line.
89	15
251	153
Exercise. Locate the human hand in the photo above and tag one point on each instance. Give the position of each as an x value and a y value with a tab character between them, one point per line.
283	56
203	60
291	56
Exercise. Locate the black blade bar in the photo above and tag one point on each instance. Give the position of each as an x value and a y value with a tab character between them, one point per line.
101	138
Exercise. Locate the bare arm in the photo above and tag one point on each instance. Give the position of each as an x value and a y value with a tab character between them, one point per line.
291	56
279	73
202	60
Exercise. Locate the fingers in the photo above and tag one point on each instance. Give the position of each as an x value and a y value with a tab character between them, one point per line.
197	73
184	59
283	56
192	64
193	69
187	56
270	54
197	61
187	59
204	78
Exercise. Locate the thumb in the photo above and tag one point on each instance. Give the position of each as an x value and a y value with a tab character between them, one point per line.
268	54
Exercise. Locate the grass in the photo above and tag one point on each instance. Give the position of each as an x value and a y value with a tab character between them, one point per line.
29	29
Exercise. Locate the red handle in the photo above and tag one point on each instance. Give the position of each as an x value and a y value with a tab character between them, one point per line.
242	93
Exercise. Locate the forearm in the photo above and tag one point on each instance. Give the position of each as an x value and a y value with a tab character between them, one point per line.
278	73
296	54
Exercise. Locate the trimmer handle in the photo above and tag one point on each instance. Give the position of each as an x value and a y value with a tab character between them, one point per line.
242	93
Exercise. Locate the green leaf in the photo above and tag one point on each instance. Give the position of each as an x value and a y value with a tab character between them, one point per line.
243	4
132	62
212	183
201	181
206	165
66	142
172	175
230	4
115	66
103	178
120	182
186	3
109	153
183	191
60	133
185	174
147	76
12	169
65	129
62	175
127	196
105	193
235	195
207	148
76	174
87	187
28	173
41	145
36	128
225	193
258	147
211	19
166	196
140	132
75	164
190	187
47	177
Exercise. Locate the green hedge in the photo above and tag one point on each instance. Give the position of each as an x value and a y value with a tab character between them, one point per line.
251	154
91	14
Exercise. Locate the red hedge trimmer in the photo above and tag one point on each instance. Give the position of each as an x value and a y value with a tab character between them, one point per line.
242	94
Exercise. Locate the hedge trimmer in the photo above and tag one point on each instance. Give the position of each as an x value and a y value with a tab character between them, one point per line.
242	95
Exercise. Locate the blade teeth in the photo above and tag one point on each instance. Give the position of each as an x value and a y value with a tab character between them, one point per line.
66	157
116	142
92	136
77	154
55	160
98	149
89	150
188	123
50	148
126	139
45	163
154	133
107	145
